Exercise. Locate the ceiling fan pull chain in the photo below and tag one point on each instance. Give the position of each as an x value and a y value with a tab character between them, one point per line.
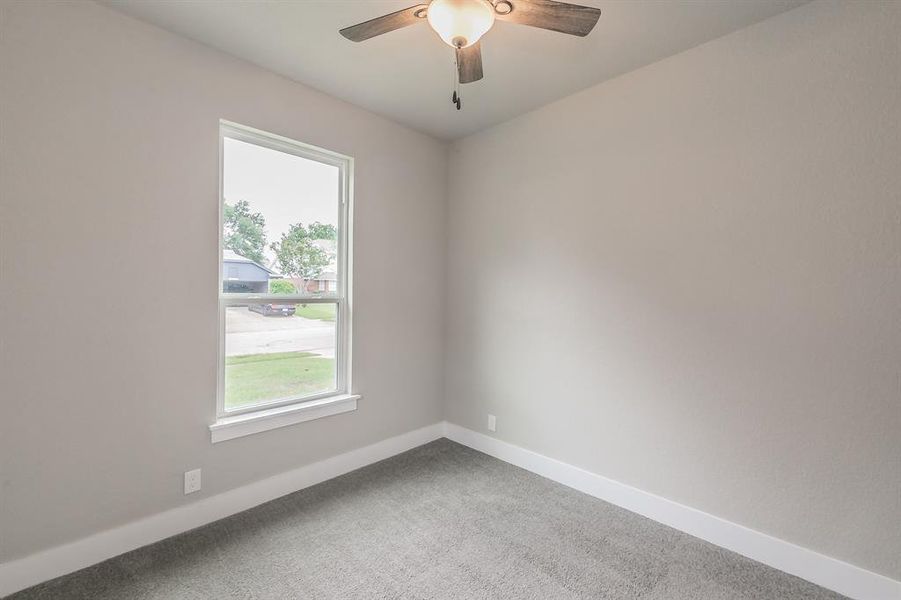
456	99
454	86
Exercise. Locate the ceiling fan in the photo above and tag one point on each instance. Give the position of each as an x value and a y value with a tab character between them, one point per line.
462	23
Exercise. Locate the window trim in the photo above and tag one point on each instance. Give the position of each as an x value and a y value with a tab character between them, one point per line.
228	428
341	297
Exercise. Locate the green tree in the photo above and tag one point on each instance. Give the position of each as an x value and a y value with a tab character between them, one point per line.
281	286
297	256
244	232
322	231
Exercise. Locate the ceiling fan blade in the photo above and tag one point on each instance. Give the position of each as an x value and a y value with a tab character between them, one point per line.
556	16
469	63
385	23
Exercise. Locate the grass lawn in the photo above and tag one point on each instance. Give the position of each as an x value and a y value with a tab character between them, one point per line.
264	377
323	312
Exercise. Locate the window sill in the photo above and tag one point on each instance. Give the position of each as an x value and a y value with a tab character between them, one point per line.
227	428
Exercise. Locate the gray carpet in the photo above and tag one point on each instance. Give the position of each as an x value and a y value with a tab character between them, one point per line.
440	521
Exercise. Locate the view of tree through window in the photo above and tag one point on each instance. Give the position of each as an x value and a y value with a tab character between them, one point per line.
280	233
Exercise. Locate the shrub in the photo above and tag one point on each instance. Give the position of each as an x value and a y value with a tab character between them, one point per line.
281	286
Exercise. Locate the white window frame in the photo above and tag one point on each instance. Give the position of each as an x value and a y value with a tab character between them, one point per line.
260	417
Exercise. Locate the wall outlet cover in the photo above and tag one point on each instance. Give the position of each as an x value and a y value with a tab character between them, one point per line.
492	423
192	481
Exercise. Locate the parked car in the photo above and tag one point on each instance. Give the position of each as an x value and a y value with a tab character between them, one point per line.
285	310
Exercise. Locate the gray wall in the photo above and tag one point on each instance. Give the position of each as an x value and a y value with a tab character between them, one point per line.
687	279
110	156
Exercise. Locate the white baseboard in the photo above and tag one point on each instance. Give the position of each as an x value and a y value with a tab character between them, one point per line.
822	570
24	572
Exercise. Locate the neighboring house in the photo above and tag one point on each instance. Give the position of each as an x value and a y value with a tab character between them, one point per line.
242	275
327	281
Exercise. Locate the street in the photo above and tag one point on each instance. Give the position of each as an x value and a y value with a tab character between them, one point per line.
252	333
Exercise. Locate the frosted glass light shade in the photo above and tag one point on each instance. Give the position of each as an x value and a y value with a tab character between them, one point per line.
460	23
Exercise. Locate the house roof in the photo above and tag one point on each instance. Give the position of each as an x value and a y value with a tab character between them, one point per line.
327	246
233	257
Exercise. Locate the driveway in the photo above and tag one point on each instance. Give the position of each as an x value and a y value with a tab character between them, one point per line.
252	333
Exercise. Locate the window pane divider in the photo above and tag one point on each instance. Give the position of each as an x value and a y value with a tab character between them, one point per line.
238	300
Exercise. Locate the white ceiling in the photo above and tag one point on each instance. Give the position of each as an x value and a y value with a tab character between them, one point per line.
407	75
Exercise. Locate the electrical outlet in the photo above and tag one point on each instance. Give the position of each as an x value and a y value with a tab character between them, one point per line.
192	481
492	423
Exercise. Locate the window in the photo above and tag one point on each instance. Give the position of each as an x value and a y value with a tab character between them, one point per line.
284	315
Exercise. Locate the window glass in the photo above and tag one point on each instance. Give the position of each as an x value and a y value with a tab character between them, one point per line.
276	351
279	221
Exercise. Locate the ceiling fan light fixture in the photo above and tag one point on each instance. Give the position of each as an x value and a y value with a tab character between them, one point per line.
461	23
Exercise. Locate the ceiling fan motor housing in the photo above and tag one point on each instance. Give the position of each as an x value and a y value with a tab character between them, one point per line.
503	7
